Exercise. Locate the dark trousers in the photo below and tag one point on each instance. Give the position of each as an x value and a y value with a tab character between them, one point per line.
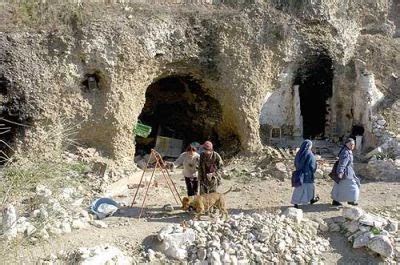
192	186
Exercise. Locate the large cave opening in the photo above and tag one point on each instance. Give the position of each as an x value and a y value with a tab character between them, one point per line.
315	88
179	107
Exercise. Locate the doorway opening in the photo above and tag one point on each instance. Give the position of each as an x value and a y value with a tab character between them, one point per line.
315	88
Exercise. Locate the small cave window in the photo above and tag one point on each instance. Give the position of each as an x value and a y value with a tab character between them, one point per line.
4	84
357	130
91	82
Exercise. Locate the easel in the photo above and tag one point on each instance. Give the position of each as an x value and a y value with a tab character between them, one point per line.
161	165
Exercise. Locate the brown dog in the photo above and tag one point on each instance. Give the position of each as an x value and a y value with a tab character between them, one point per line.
203	203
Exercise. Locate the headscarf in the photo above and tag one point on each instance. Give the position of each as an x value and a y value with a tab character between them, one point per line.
344	147
303	154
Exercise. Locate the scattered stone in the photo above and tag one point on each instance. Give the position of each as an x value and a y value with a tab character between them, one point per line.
362	240
168	208
381	245
9	221
98	224
352	213
293	213
243	239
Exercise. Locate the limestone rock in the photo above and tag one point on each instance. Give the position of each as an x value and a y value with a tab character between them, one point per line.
381	245
9	221
352	213
293	213
98	224
362	240
373	220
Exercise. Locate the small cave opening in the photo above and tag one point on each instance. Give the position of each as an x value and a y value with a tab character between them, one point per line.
179	107
91	82
315	88
12	125
357	130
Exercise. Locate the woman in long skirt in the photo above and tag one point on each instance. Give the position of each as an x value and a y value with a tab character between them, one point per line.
348	188
303	177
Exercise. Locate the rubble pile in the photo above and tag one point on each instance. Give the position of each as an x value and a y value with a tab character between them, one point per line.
384	161
52	214
364	230
243	239
99	255
270	164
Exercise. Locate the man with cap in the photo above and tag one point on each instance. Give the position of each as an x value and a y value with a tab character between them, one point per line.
210	169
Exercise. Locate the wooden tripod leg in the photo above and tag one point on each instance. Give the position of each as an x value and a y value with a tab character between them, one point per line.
169	186
140	183
173	184
147	190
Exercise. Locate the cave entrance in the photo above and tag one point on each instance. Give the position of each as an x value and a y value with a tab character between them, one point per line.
315	89
178	107
12	121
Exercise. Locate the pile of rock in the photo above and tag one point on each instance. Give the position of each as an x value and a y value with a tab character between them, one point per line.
53	214
99	255
377	234
243	239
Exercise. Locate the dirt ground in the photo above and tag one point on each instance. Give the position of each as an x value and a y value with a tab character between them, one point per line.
131	234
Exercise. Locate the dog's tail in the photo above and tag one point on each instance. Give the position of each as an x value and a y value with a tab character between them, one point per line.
226	192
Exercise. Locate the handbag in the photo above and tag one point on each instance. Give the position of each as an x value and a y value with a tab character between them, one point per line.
333	175
296	178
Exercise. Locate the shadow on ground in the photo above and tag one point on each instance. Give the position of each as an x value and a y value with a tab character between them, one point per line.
340	246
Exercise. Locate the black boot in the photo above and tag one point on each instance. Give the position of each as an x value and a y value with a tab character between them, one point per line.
296	206
352	203
314	200
336	203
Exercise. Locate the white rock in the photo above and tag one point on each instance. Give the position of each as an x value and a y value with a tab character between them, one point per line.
362	240
43	193
293	213
78	224
215	258
352	213
29	230
66	227
9	221
352	226
392	226
165	231
373	220
172	244
381	245
201	253
381	122
98	224
168	208
109	255
67	194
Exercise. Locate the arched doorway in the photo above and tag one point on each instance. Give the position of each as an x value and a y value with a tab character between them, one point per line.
315	88
179	107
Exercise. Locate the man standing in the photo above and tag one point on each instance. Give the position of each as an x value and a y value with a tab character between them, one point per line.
210	169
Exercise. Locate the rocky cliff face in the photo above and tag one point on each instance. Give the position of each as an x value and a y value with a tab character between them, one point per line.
91	65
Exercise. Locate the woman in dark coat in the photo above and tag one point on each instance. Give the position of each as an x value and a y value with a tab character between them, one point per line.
348	188
303	177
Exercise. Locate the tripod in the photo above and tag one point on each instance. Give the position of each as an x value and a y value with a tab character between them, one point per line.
162	166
